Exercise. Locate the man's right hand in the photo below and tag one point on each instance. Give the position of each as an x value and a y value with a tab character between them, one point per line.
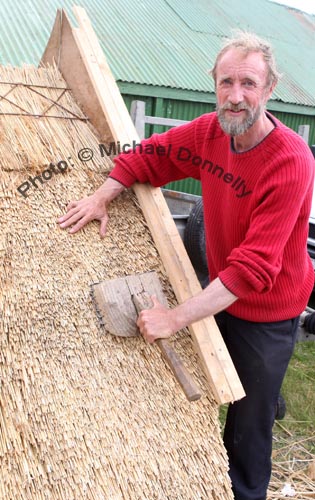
94	207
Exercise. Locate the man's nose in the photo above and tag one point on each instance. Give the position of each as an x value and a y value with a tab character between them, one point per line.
236	94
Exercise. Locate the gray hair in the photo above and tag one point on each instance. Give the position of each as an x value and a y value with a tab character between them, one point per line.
249	42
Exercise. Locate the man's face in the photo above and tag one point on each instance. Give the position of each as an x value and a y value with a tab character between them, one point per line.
242	91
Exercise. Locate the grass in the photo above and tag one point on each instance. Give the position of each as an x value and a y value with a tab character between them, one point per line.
294	436
298	390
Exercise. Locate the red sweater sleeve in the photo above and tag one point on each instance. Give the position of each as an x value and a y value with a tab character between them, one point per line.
283	200
160	159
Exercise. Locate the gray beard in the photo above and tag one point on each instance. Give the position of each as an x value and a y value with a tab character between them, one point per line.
235	127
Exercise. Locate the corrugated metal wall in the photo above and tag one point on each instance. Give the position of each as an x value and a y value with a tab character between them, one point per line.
294	120
188	110
171	108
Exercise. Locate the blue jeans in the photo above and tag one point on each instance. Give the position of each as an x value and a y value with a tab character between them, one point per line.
261	353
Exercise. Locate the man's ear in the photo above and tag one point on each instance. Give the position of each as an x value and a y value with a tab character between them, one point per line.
270	90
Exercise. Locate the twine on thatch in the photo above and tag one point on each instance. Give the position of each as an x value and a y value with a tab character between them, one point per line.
31	87
84	415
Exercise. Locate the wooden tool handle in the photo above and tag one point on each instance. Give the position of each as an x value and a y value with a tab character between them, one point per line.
180	371
175	363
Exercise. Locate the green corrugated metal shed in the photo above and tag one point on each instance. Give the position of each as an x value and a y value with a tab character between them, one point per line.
160	50
170	44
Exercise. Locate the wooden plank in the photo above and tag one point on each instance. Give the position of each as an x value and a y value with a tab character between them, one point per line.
168	122
137	113
114	307
304	132
213	353
105	101
63	51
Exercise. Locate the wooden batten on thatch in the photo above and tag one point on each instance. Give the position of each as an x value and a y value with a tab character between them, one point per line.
83	414
93	85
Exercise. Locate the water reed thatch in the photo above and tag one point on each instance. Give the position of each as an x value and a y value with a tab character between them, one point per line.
83	415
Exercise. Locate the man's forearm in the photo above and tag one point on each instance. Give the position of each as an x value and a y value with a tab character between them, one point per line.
213	299
109	190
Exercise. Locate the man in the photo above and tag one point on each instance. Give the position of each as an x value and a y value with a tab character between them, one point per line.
257	180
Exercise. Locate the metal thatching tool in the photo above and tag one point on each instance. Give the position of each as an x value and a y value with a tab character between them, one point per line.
118	303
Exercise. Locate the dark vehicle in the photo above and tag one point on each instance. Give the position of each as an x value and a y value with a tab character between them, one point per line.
311	233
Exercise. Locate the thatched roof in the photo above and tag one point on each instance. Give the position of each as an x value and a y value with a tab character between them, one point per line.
83	414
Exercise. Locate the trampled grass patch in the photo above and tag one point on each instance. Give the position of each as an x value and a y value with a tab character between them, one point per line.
298	391
293	455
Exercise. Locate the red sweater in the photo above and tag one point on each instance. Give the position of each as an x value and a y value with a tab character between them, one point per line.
256	209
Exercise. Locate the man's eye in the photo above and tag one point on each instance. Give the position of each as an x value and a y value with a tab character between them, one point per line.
248	83
226	81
